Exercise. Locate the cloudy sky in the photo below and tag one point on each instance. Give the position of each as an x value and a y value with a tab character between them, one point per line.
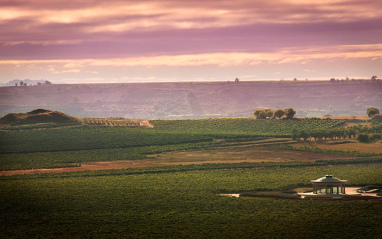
91	41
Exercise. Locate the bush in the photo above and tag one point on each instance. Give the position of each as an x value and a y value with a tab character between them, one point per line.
372	111
363	138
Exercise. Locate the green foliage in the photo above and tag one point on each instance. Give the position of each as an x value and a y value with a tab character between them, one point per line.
88	138
74	158
184	204
375	130
363	138
289	112
372	111
263	114
229	127
279	113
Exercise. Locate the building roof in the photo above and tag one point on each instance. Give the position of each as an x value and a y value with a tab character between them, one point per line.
329	179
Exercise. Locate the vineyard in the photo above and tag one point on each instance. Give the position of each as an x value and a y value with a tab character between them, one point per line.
110	122
184	203
245	126
59	147
328	151
180	201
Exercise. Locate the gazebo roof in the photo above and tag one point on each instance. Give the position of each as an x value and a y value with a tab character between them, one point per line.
329	179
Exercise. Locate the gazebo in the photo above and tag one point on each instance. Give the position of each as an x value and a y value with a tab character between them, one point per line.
328	185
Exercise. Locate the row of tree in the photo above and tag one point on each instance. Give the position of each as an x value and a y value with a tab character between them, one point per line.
373	78
21	83
373	132
272	114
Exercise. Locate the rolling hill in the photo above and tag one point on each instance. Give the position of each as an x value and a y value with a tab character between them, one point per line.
194	100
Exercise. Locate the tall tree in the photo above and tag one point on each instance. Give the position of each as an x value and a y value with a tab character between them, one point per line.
289	112
268	112
279	113
256	113
372	111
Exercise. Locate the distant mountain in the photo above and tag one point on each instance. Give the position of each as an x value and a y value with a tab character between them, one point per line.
195	100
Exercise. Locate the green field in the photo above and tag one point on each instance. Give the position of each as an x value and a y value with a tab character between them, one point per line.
184	205
58	147
178	201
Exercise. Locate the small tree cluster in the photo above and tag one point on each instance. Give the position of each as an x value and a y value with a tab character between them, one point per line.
21	83
372	111
269	113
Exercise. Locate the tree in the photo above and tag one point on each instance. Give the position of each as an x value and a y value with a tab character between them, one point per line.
332	80
289	112
256	113
21	83
48	82
374	78
262	115
279	113
268	112
372	111
303	135
363	138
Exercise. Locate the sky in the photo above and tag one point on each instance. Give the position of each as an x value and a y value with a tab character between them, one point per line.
90	41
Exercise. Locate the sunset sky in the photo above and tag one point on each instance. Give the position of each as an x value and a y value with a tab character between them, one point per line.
92	41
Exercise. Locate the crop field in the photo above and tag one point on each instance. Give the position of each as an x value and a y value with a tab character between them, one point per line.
246	126
205	158
59	147
360	147
184	205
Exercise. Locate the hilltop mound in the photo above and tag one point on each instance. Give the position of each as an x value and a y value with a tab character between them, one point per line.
37	116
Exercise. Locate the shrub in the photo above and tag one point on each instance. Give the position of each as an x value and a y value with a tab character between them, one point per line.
372	111
363	138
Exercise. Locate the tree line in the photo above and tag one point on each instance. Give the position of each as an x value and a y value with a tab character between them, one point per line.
364	134
272	114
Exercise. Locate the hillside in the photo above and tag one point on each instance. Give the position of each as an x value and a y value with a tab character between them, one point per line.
38	116
194	100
